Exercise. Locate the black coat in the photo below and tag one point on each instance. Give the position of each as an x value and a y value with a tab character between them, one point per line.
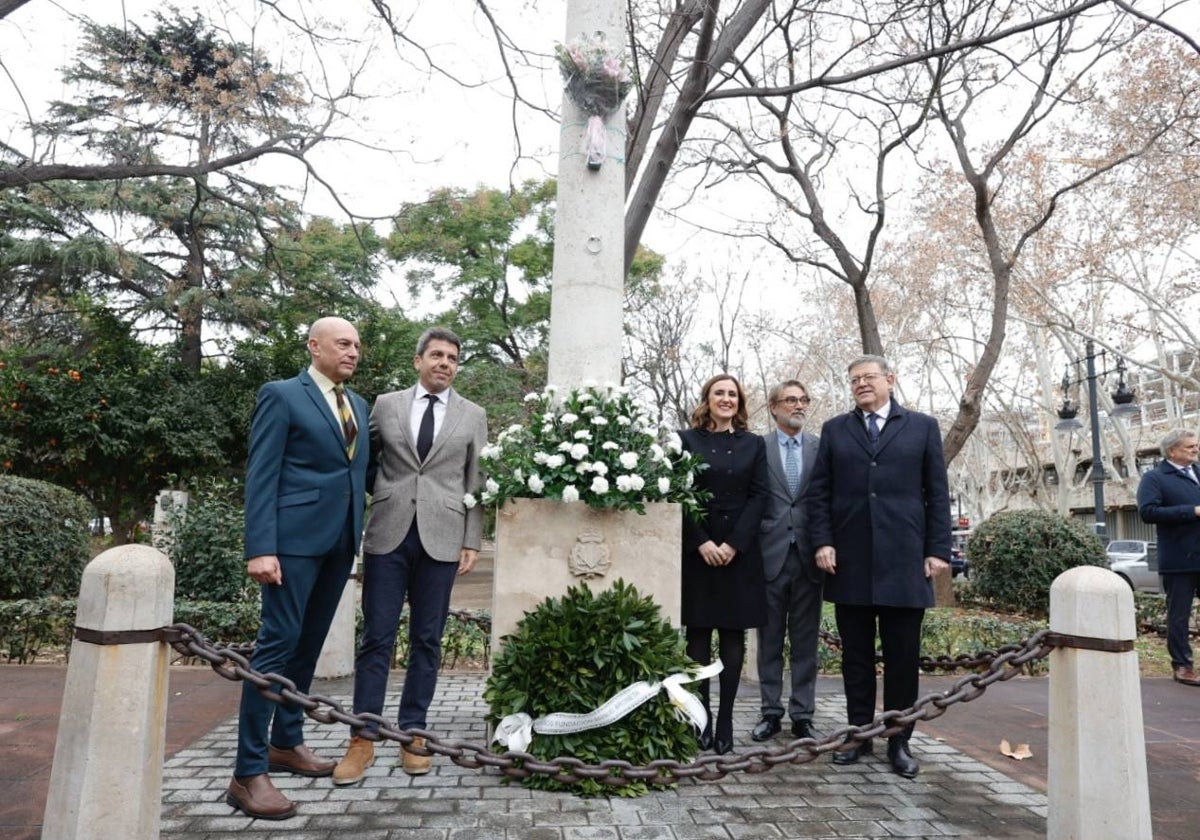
883	508
733	596
1168	499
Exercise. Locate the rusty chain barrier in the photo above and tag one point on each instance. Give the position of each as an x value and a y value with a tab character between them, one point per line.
1003	664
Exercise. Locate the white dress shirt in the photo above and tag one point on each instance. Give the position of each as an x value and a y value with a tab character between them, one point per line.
326	385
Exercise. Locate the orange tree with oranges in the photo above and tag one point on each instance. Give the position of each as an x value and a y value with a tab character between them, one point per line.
110	418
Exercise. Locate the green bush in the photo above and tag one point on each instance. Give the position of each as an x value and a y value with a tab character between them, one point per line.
571	655
955	632
43	539
1016	555
207	544
29	628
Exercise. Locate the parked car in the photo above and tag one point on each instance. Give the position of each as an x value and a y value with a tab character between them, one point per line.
1136	561
958	563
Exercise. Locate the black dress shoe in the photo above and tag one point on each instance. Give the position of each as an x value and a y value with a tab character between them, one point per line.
766	728
903	763
804	729
705	739
852	755
722	746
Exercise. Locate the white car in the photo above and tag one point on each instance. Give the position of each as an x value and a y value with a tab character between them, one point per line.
1136	561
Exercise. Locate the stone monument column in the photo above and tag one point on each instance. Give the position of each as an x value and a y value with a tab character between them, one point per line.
538	542
588	287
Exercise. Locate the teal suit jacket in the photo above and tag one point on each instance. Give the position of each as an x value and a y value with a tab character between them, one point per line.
300	484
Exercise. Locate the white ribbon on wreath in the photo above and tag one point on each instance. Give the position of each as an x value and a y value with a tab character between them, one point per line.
516	730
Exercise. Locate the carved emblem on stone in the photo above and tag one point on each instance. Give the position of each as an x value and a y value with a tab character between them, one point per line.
590	558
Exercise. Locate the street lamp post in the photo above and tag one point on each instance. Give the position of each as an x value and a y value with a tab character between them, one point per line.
1123	398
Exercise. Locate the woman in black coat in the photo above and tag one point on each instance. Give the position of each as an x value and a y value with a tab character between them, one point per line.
723	584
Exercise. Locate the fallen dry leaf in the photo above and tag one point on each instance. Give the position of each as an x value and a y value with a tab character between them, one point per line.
1021	752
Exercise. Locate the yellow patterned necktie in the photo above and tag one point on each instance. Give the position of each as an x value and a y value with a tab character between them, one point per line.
349	429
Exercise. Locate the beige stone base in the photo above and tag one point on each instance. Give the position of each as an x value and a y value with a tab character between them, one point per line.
543	547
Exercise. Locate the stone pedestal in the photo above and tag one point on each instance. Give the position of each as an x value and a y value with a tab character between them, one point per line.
106	781
161	535
943	589
543	547
337	654
1097	779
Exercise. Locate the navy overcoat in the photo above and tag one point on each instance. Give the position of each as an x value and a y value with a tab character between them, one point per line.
1168	499
884	508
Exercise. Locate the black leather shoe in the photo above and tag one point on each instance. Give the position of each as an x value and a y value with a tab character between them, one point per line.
722	746
804	729
902	761
705	739
852	755
766	728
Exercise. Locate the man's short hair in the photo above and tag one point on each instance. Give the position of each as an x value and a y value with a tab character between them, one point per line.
869	359
1173	438
438	334
776	393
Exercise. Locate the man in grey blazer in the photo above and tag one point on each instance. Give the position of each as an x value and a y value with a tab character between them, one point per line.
793	580
425	445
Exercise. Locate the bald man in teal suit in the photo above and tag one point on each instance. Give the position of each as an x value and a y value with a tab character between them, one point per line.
306	481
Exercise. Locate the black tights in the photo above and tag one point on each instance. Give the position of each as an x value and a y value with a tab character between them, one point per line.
731	646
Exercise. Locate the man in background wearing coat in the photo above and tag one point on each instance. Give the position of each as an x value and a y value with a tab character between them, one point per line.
306	480
425	445
879	517
793	580
1169	497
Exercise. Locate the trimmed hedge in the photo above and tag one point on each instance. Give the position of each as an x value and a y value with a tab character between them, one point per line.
44	540
1016	555
45	626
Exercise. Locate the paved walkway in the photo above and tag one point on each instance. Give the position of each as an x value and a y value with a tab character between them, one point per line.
955	796
966	788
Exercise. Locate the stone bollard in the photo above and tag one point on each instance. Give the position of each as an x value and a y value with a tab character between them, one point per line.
106	781
1096	781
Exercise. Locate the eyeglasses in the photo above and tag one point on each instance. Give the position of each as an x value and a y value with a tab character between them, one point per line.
865	378
794	400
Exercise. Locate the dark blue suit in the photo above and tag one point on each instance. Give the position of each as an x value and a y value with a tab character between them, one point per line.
304	504
1168	499
884	508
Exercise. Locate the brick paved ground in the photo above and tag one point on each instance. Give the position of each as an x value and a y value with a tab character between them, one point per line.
955	796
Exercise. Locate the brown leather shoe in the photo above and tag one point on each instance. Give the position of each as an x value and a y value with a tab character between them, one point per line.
416	765
299	760
256	797
359	756
1184	674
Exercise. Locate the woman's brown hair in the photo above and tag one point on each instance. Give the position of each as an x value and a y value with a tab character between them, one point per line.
702	418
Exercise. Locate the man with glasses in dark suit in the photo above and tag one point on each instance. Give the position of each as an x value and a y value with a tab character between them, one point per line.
793	580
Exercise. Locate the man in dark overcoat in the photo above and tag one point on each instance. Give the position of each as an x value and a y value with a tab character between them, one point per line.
1169	497
879	516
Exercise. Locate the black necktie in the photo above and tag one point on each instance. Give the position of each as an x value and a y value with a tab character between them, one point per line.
425	435
873	427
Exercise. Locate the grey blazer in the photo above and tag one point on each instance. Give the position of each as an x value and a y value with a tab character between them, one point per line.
402	487
784	515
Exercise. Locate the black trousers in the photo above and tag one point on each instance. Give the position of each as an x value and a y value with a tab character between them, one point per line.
899	631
